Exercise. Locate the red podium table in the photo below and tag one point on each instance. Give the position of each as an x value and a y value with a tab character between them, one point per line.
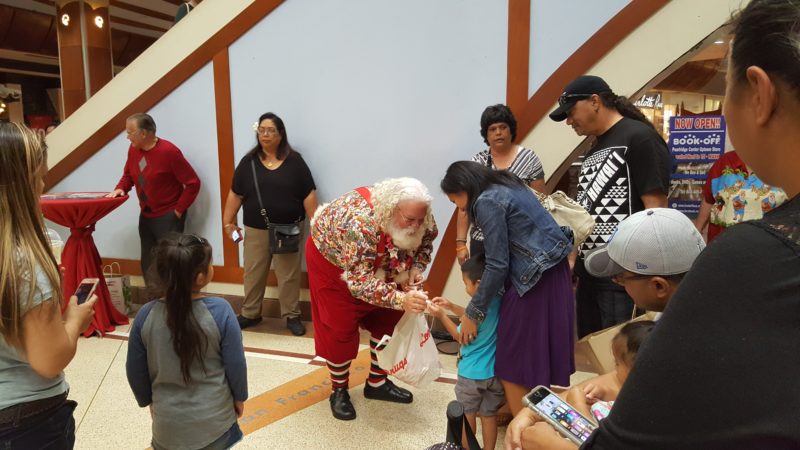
80	211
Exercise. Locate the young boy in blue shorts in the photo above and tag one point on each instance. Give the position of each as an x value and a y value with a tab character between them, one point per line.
477	389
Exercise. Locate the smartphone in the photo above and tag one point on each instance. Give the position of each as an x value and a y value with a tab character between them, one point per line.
236	236
86	289
566	420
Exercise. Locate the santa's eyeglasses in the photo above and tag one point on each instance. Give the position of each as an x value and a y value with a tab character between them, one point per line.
410	220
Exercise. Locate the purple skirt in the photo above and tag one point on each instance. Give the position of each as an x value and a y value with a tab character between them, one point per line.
535	334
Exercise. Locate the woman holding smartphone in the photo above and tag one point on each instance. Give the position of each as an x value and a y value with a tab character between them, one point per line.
274	177
36	340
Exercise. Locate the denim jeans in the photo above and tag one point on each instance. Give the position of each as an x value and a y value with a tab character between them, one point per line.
598	308
226	441
53	430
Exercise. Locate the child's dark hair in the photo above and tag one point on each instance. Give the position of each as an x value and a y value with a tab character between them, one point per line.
473	267
179	258
635	334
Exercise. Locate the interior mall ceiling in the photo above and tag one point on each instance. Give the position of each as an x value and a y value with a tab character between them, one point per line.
29	43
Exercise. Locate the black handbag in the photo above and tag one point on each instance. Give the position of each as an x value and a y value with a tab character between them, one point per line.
283	237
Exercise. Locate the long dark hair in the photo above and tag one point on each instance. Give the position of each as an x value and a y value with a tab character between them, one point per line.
473	178
767	35
623	106
283	148
179	259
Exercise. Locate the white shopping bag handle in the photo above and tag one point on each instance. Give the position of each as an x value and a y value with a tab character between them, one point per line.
384	340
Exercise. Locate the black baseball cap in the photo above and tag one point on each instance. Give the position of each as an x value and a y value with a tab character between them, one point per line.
579	89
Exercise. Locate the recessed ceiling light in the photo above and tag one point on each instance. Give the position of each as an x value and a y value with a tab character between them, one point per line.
719	42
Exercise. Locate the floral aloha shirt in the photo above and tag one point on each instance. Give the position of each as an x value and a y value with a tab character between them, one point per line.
346	234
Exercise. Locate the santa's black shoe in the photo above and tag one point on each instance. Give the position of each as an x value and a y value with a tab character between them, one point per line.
388	392
341	406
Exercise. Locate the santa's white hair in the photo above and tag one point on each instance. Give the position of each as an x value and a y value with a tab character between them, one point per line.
387	194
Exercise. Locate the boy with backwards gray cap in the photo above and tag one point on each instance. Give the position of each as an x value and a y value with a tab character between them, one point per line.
648	255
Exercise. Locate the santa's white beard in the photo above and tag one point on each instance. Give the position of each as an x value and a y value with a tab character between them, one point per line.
406	238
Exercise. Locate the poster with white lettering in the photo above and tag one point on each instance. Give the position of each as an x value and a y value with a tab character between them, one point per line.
695	143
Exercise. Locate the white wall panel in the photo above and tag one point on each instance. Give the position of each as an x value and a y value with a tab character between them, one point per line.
187	118
558	28
370	90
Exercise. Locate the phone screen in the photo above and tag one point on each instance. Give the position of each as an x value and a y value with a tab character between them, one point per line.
83	291
237	237
571	421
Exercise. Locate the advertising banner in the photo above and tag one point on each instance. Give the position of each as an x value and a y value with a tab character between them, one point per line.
695	143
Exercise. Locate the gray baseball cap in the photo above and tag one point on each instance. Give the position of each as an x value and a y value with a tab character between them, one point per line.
657	241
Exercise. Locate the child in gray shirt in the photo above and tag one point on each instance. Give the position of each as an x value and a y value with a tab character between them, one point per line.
185	354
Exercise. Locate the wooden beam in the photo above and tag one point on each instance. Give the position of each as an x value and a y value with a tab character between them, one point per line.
585	57
224	110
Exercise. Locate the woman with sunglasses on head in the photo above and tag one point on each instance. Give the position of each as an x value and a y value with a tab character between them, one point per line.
626	171
37	341
720	370
275	178
185	354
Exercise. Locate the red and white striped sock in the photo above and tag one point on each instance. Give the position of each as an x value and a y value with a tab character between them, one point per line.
340	375
377	376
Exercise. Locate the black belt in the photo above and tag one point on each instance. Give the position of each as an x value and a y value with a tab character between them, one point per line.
15	413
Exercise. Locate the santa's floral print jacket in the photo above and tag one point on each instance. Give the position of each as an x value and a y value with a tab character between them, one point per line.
346	233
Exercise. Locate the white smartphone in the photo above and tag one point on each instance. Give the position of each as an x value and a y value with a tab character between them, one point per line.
567	420
86	289
236	236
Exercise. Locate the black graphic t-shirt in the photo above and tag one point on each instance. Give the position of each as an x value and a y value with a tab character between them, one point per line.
628	160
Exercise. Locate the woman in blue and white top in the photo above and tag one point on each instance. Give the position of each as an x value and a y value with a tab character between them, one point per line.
499	131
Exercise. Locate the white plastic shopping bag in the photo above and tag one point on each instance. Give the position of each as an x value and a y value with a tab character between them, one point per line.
410	355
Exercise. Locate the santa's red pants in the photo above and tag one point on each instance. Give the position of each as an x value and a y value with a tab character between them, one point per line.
337	314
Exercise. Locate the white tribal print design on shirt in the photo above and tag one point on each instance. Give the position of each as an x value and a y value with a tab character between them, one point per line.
604	190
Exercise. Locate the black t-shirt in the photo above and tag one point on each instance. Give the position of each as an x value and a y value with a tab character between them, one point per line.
721	368
282	190
628	160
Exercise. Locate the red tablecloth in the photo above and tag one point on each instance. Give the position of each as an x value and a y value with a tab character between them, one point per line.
80	259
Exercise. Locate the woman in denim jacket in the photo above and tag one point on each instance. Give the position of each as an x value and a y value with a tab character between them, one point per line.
526	254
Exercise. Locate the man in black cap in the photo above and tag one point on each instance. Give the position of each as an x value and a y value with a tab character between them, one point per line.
626	171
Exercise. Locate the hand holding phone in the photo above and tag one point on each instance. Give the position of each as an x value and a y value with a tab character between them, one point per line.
86	289
236	236
561	415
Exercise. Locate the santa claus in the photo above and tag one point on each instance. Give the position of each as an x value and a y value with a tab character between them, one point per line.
366	255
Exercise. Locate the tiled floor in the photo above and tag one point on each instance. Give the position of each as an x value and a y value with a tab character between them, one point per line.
108	417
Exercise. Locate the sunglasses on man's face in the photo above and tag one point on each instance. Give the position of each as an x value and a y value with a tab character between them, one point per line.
566	98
